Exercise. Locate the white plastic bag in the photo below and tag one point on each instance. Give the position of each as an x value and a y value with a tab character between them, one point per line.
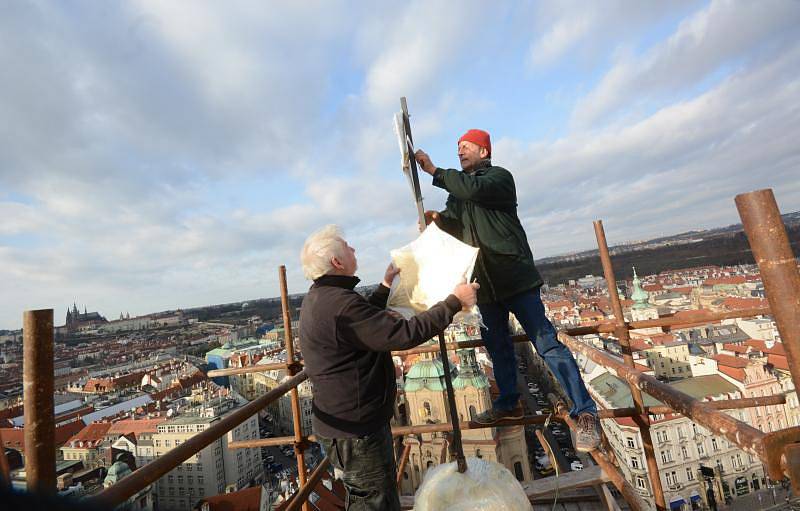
431	267
485	486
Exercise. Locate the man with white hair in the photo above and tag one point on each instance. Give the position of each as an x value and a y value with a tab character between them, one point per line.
347	341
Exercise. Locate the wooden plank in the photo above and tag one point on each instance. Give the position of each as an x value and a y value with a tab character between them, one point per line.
590	476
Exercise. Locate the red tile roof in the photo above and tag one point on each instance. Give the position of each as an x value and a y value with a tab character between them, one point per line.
780	362
248	499
91	436
735	280
731	361
736	348
14	438
734	372
759	345
135	426
737	303
662	338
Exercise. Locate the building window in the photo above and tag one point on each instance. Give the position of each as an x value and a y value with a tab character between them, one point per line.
518	471
689	474
666	456
714	444
640	482
629	442
701	450
672	478
684	452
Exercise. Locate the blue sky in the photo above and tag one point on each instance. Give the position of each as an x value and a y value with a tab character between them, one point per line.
158	155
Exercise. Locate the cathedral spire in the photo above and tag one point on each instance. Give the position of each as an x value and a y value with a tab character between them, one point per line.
639	295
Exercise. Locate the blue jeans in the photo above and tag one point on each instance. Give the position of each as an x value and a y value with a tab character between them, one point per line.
529	310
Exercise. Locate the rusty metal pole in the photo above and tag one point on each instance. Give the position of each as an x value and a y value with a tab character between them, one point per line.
623	335
37	385
632	498
776	261
5	471
301	497
456	448
402	465
297	417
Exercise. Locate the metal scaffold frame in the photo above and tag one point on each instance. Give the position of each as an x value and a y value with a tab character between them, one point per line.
779	450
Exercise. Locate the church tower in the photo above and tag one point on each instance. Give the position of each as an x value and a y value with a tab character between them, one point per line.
426	395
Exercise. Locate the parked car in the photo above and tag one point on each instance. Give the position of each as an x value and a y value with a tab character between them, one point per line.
576	465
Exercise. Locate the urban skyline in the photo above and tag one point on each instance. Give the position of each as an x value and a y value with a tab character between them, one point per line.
162	154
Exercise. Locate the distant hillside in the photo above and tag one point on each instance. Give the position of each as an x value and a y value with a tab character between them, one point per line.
722	246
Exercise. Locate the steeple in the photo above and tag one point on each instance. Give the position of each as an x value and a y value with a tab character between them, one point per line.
639	295
427	373
469	373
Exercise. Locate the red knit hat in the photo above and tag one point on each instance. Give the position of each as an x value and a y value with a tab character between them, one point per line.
478	137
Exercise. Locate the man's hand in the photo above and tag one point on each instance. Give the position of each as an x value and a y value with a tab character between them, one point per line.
425	161
391	273
431	216
467	294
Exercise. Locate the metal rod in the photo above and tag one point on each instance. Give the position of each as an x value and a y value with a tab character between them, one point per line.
740	433
255	368
400	431
697	317
623	335
5	469
459	345
778	266
547	448
39	410
301	497
402	466
456	449
297	417
727	404
617	479
151	472
684	321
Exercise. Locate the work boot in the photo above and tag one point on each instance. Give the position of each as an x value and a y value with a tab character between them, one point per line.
493	415
587	435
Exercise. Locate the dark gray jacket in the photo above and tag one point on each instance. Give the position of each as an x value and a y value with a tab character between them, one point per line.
482	211
346	342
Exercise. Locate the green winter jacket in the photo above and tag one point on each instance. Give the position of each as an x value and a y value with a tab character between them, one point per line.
482	211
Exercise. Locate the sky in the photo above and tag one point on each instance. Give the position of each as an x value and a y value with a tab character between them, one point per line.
168	154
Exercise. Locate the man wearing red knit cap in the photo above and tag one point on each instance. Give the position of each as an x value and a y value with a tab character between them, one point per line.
482	212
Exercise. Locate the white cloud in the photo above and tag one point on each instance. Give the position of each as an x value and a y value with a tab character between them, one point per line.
725	33
161	155
677	169
592	29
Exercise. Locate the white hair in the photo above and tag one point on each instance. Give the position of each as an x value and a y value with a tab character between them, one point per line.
319	249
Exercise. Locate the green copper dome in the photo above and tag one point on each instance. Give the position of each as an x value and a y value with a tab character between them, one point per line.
639	295
426	374
469	375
